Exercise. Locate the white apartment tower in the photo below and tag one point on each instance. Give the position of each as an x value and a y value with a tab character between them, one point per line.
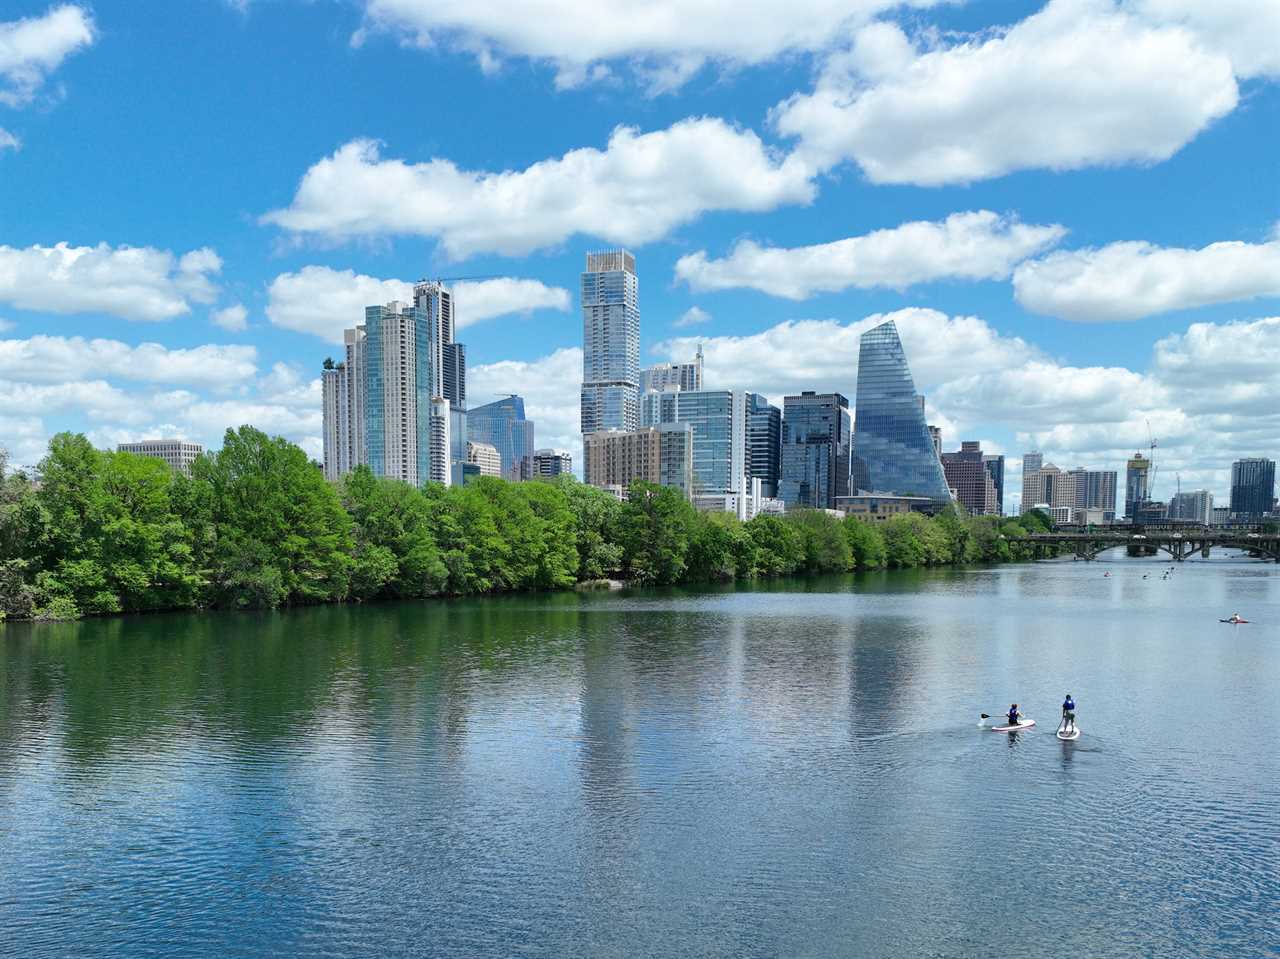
610	343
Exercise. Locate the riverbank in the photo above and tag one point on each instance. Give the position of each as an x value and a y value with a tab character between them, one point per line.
256	526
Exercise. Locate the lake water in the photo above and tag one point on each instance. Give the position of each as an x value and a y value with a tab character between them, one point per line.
791	769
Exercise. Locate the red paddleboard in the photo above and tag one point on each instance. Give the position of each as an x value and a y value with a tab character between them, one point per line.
1009	729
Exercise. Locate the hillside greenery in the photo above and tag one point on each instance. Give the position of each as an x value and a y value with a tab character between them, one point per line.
256	525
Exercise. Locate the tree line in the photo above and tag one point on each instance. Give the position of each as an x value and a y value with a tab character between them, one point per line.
255	525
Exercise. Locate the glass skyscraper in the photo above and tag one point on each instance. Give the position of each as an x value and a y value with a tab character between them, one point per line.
719	422
891	443
815	450
1253	487
502	425
610	343
764	444
399	384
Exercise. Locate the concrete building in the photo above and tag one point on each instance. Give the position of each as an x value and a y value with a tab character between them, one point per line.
718	419
1195	506
484	456
1094	490
179	454
1253	488
878	507
816	431
549	463
502	424
1221	515
610	344
684	376
441	468
970	480
661	454
1136	484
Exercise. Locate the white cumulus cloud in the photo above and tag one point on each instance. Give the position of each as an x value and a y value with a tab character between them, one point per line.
1132	280
233	319
324	301
1247	31
1080	83
550	386
636	190
8	141
694	316
979	245
134	283
33	47
52	359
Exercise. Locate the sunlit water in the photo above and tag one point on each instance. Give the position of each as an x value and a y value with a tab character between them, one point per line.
794	769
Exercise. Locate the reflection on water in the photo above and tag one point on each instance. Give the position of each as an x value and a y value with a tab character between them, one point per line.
787	768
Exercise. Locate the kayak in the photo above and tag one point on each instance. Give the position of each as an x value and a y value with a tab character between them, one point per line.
1066	737
1026	723
1234	622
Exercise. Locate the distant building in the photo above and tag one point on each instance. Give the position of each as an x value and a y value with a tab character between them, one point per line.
661	454
994	463
610	343
718	419
486	457
1136	484
179	454
1094	490
441	446
968	477
1149	511
764	444
1221	515
685	376
1253	488
935	434
815	450
881	506
892	447
549	463
1195	506
502	424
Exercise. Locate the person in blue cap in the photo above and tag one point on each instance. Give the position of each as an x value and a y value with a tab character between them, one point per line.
1068	714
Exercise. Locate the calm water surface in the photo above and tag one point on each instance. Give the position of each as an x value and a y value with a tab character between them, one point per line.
788	770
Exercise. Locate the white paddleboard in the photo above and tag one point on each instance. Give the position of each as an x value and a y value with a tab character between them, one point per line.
1025	724
1066	737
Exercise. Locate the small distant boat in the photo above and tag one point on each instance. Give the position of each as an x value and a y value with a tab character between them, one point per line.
1234	621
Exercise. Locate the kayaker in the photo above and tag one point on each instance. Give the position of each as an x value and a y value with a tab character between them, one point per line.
1014	715
1068	714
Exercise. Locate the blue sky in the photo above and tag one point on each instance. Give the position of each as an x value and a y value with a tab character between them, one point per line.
1071	209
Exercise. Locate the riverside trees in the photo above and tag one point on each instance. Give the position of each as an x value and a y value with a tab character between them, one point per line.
255	525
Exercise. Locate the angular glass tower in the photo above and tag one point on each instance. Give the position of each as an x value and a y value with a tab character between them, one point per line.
891	443
502	425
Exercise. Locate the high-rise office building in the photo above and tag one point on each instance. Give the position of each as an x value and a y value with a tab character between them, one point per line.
1136	489
967	475
718	419
1031	464
764	444
178	454
815	450
1093	490
610	343
894	452
502	424
549	463
1195	506
994	462
686	376
661	454
1253	487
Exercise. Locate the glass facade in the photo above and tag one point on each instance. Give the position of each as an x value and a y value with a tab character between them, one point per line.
502	424
718	421
610	343
764	444
1253	487
815	450
891	440
399	381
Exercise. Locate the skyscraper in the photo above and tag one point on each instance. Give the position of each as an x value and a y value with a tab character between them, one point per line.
1195	506
1253	487
399	381
687	376
1136	491
441	445
1094	489
968	476
764	444
815	450
503	425
891	440
994	462
610	343
661	454
718	419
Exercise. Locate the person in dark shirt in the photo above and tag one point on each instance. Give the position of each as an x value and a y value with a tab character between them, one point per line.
1014	715
1069	714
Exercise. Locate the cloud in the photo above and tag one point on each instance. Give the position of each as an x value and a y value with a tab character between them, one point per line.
972	246
1132	280
8	141
1080	83
32	48
550	387
1244	30
96	399
5	325
233	319
50	359
134	283
664	41
324	302
636	190
694	316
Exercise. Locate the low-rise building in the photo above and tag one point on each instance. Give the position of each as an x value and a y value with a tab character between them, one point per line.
881	506
179	454
485	456
550	463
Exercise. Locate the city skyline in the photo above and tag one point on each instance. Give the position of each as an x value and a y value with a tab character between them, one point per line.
186	272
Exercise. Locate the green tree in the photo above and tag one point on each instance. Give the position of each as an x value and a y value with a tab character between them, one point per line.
654	530
866	543
597	516
826	549
779	550
714	548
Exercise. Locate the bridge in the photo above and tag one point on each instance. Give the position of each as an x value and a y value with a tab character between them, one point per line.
1179	543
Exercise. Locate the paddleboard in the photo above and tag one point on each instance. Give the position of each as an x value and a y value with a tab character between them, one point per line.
1066	737
1026	723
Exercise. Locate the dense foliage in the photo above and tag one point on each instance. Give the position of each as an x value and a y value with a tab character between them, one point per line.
255	525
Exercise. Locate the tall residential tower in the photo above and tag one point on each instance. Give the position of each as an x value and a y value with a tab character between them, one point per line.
610	343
